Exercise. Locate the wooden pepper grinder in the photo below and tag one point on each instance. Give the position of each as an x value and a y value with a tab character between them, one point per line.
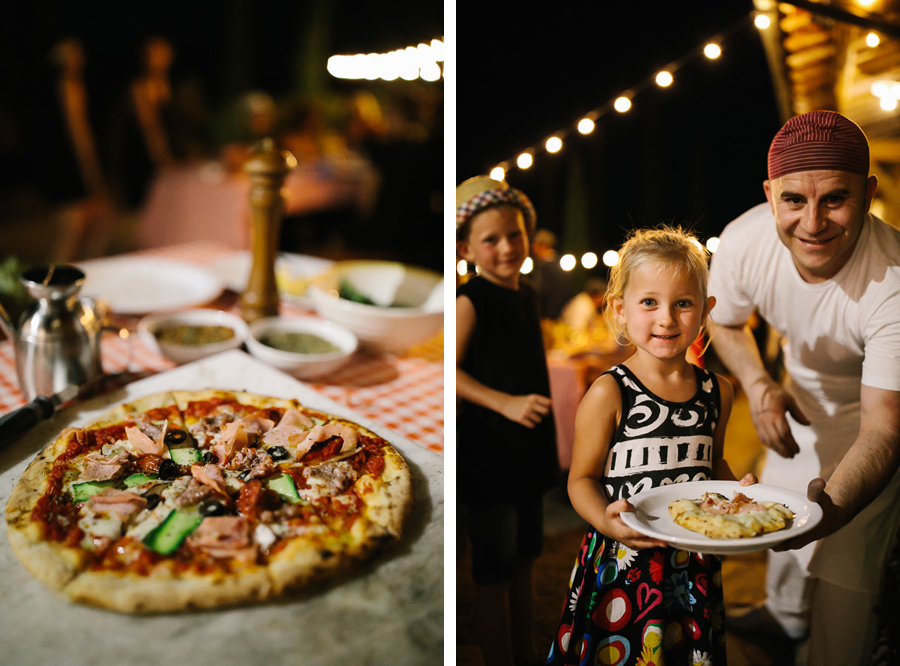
267	167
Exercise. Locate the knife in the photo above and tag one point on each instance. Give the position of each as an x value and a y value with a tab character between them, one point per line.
21	420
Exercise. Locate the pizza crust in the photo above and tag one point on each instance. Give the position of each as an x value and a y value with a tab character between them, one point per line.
387	501
164	592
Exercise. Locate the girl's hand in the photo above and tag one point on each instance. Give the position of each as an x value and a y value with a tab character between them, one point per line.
526	410
624	534
748	479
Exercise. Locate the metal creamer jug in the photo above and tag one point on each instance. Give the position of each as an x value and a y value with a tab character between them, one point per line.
57	339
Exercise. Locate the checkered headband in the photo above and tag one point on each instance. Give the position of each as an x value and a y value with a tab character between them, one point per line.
819	141
492	197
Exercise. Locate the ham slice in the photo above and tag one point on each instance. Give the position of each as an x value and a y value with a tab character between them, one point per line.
224	536
233	438
739	504
293	417
326	431
98	467
143	443
291	430
121	502
210	475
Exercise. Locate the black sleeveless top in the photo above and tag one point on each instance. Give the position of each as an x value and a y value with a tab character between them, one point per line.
500	461
659	442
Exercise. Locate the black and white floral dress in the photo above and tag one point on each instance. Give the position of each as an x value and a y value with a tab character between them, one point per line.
658	605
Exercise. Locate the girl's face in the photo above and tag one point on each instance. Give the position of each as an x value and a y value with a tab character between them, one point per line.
662	309
497	244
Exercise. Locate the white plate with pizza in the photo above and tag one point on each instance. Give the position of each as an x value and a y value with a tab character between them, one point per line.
652	517
141	285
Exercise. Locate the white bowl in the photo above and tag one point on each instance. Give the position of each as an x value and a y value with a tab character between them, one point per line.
151	325
304	366
409	302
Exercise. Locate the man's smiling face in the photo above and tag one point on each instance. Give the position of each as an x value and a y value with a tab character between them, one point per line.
819	215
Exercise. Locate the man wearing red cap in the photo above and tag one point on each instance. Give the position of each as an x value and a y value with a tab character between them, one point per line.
825	273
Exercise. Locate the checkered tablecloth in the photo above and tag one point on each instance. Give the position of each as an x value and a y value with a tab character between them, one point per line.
403	393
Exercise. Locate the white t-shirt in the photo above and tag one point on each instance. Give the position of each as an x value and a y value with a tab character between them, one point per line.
839	334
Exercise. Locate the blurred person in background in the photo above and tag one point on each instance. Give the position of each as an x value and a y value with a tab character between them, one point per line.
552	283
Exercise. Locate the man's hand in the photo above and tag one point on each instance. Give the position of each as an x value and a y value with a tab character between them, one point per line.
832	519
769	402
526	410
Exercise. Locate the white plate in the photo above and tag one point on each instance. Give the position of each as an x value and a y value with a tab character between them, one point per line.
234	270
651	516
138	285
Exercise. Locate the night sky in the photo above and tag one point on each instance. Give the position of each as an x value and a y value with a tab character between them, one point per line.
692	154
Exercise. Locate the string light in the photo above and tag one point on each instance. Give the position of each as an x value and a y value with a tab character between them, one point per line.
622	104
585	125
712	50
554	144
589	260
413	62
873	40
887	92
664	79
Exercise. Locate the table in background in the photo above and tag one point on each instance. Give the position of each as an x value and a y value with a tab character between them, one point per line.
192	202
570	378
403	393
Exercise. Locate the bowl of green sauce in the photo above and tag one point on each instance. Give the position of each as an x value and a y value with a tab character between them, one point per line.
301	346
189	335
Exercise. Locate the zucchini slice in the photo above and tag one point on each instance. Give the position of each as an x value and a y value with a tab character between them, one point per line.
166	537
82	492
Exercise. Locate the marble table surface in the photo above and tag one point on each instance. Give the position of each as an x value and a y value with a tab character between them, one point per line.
387	611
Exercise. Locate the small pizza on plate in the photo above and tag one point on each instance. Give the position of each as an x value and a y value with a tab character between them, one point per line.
204	499
715	516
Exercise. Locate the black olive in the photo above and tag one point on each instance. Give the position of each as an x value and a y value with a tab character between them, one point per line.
175	436
212	508
209	458
168	469
243	476
152	501
279	453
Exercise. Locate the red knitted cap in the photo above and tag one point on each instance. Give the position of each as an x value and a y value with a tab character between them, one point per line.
819	140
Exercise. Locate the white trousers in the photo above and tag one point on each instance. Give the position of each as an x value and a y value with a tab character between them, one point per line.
842	623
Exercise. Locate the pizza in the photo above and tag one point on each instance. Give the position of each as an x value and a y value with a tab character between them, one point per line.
717	517
205	499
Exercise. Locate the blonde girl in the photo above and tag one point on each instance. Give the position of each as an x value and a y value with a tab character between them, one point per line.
655	419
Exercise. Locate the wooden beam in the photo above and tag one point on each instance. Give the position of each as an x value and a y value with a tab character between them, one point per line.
870	22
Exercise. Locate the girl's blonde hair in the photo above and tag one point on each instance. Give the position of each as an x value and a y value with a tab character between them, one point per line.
674	246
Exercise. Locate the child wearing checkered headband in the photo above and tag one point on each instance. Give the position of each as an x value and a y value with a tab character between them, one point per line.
481	192
506	436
